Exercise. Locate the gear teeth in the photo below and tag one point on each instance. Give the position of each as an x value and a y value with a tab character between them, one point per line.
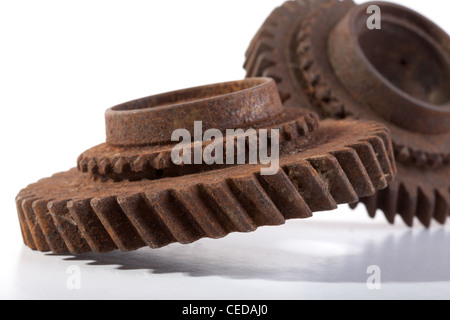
181	224
221	198
92	166
120	229
263	61
425	207
407	204
371	205
192	204
338	184
388	201
83	165
255	201
370	160
285	196
26	234
147	222
67	227
442	206
155	163
355	171
121	166
411	202
90	226
104	167
311	187
45	220
302	128
353	205
385	136
257	47
140	165
33	225
383	157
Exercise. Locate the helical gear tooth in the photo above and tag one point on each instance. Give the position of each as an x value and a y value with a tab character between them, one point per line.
263	62
371	205
90	226
311	186
266	32
369	159
52	236
192	204
182	226
388	201
385	136
256	202
26	233
442	206
116	223
261	47
383	157
426	204
147	222
407	203
273	72
33	225
285	196
338	184
355	172
233	215
67	227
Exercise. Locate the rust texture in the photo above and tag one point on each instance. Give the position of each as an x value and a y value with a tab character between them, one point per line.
113	201
324	57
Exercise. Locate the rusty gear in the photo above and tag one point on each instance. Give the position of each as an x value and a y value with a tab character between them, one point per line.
337	162
135	152
323	57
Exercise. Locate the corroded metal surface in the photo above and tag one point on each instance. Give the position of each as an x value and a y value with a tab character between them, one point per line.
249	104
324	57
320	167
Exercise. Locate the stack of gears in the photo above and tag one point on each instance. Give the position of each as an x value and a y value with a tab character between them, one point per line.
347	101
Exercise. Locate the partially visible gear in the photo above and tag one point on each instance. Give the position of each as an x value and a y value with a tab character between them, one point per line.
70	213
309	50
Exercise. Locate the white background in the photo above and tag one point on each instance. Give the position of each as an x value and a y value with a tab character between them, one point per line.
63	63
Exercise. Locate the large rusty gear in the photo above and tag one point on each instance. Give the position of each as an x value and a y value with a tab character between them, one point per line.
334	163
323	57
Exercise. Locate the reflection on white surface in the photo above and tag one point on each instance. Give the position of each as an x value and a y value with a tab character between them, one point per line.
323	257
